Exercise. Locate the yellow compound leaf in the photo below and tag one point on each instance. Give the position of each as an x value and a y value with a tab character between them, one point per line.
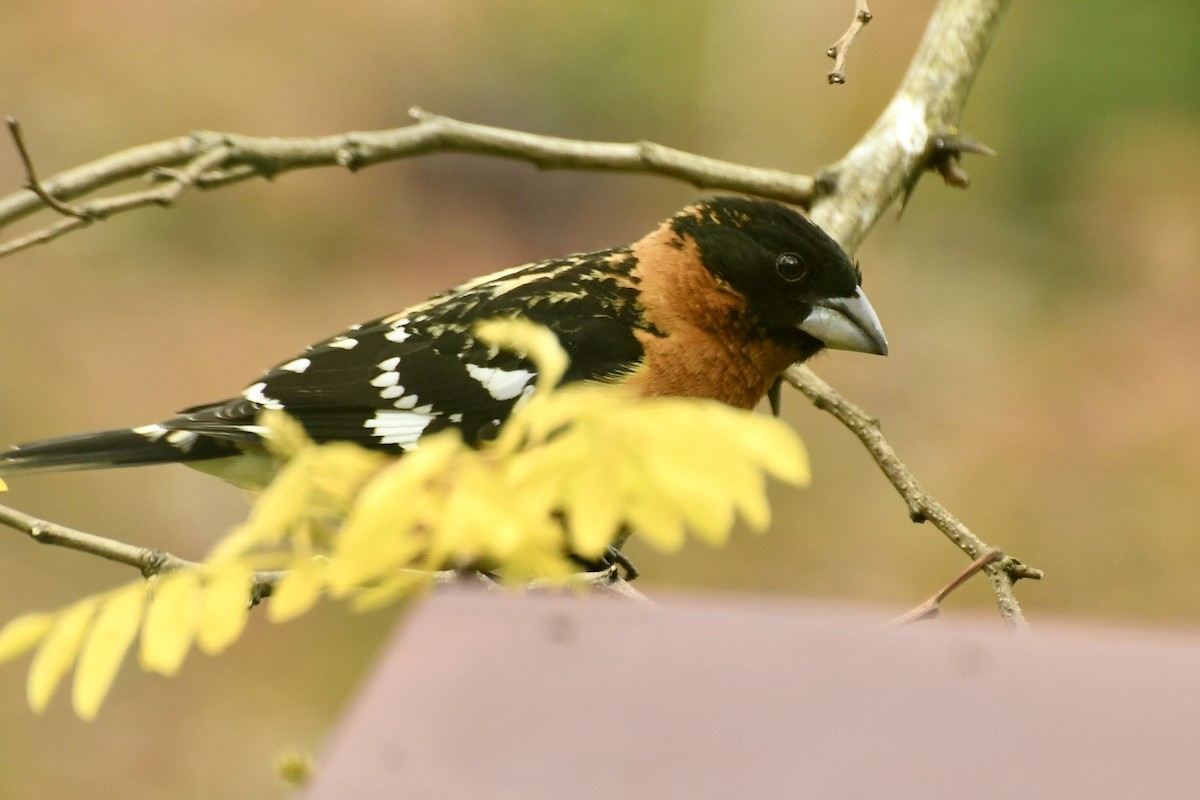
22	634
111	635
298	590
226	607
281	504
401	585
171	621
537	342
287	437
594	511
58	652
771	444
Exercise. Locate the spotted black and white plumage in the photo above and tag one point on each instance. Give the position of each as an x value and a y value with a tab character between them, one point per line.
716	302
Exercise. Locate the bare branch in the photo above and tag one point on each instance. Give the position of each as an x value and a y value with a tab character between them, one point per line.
31	181
840	49
921	507
146	560
854	192
933	606
207	160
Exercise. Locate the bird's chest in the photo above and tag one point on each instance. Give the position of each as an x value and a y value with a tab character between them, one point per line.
691	362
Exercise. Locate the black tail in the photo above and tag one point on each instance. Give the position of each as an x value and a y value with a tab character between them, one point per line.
123	447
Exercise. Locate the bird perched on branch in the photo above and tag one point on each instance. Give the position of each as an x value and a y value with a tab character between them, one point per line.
716	302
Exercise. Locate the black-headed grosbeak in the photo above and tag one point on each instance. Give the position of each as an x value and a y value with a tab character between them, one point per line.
716	302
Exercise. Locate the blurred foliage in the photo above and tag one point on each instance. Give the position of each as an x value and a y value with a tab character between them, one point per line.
570	470
1042	380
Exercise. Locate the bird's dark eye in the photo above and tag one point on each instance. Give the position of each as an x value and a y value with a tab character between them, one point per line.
791	267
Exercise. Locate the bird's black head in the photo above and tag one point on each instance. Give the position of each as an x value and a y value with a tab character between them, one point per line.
793	275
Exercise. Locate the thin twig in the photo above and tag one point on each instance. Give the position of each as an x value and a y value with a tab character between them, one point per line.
862	15
208	160
31	180
921	507
855	192
933	606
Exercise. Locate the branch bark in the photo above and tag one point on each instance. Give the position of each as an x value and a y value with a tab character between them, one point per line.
841	48
208	160
903	142
1003	570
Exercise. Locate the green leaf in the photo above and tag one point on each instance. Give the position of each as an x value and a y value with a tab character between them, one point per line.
58	652
298	590
111	635
226	607
171	621
22	634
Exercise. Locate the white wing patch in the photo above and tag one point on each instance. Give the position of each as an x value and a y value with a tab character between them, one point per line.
401	428
255	395
501	384
299	365
182	439
345	342
398	333
151	432
385	379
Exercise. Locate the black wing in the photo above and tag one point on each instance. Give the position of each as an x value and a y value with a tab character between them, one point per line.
386	383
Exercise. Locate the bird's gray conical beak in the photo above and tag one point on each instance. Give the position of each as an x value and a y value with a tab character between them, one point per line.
847	323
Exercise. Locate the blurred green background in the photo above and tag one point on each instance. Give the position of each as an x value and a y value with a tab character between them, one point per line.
1043	381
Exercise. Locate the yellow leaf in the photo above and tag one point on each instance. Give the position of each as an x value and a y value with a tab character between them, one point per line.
3	485
58	652
537	342
594	510
22	634
281	503
226	607
700	496
171	621
380	532
298	590
113	631
286	437
403	585
773	445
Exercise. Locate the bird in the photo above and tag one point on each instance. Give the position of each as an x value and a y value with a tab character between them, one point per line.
715	302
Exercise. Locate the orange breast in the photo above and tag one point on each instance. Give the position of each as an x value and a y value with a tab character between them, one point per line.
709	347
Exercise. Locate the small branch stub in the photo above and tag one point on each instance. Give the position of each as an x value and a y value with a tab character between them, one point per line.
840	49
31	180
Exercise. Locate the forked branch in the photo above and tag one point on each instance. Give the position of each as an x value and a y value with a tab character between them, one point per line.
208	160
841	48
